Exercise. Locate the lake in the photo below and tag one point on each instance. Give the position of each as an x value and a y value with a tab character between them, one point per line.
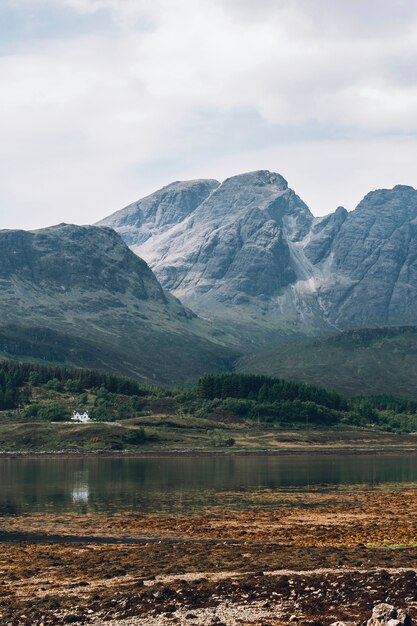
176	484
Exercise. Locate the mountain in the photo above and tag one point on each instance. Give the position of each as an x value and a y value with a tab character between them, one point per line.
252	257
235	257
156	213
366	261
368	361
77	295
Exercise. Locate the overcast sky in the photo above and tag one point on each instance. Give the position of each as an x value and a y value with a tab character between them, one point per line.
104	101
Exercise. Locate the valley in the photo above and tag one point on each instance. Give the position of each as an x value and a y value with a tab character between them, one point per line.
249	375
222	413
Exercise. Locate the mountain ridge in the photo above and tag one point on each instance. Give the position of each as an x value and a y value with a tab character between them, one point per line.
252	256
185	195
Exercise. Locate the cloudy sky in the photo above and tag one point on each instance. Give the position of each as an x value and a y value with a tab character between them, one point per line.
104	101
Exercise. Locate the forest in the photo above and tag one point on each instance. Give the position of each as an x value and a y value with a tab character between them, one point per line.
41	392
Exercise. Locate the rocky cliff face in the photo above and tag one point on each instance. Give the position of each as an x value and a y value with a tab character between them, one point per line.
78	295
370	269
251	255
156	213
59	263
236	244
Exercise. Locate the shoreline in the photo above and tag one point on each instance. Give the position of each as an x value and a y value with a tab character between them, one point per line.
128	454
318	557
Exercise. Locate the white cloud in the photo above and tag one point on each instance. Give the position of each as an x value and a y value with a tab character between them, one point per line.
82	117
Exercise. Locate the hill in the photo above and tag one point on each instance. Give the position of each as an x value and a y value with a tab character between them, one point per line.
243	412
76	295
368	361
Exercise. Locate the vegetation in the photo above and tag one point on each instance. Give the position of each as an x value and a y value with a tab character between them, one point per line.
368	361
272	400
266	389
39	400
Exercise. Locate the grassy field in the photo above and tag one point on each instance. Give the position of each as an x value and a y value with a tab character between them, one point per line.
164	433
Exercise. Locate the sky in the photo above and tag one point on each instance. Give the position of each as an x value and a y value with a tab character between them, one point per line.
104	101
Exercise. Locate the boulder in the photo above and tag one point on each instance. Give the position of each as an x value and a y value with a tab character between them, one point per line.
387	615
383	614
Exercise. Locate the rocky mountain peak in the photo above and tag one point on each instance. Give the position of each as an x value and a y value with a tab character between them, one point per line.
403	188
235	245
252	248
259	178
401	199
160	210
258	195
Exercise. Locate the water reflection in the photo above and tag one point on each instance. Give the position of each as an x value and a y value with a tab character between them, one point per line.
80	490
176	484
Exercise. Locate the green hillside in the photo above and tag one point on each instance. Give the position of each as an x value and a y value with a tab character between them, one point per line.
223	411
369	361
77	296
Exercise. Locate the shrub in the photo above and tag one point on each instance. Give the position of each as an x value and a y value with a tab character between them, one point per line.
54	385
136	437
47	412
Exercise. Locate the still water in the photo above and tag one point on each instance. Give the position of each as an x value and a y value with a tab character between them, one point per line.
175	484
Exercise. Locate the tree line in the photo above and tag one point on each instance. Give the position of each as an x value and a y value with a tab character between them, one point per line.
216	396
15	375
266	390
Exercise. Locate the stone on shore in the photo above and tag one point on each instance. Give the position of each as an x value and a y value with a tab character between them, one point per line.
387	615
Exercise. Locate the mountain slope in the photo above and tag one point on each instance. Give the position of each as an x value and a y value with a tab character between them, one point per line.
252	257
156	213
369	272
369	361
78	295
235	258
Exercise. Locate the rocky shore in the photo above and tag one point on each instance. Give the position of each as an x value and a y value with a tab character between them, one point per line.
303	559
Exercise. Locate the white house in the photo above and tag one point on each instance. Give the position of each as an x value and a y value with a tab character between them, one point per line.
80	417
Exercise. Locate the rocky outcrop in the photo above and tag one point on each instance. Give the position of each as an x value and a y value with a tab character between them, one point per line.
323	233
